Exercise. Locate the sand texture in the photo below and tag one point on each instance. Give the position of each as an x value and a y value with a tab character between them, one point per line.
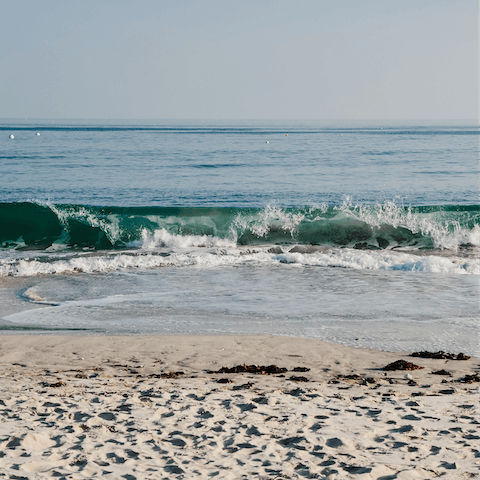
117	407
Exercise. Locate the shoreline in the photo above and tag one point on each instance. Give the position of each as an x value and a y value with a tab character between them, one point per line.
86	406
10	329
52	347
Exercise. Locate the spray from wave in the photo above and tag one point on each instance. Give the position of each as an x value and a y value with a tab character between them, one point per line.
163	239
445	231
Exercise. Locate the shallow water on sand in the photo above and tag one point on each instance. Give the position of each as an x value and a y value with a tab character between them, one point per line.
374	309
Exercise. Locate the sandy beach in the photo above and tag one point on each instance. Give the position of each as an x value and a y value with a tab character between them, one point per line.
138	407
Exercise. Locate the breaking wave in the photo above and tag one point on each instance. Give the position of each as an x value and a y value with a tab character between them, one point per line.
49	227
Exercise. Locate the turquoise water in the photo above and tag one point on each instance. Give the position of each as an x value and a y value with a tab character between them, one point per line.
363	234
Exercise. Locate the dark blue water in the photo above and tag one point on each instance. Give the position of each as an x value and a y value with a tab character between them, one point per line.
302	164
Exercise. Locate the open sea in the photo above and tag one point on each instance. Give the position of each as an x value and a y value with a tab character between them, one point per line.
364	234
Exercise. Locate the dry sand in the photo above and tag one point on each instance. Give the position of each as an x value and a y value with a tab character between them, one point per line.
87	407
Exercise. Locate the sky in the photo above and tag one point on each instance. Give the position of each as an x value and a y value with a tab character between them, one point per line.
249	60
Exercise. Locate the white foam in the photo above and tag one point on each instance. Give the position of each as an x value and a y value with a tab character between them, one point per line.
444	234
161	238
32	295
361	260
208	258
268	217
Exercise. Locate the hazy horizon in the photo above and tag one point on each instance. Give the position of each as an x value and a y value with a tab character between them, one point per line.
272	60
252	120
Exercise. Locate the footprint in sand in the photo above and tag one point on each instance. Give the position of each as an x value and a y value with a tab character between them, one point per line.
32	441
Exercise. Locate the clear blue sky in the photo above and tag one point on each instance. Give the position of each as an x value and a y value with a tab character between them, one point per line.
225	59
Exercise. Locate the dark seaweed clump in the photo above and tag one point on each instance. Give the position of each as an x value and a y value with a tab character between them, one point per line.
440	355
442	372
402	365
257	369
299	379
166	375
470	378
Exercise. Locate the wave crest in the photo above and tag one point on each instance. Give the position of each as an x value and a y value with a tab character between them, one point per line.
31	226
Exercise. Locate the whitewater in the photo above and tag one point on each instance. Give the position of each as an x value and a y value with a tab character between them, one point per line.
360	234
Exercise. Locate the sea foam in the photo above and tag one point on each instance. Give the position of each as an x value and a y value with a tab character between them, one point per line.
219	257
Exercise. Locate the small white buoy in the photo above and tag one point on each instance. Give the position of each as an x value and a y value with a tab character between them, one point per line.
341	134
11	136
38	134
267	141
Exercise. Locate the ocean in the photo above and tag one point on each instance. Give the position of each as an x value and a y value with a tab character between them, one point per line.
360	233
